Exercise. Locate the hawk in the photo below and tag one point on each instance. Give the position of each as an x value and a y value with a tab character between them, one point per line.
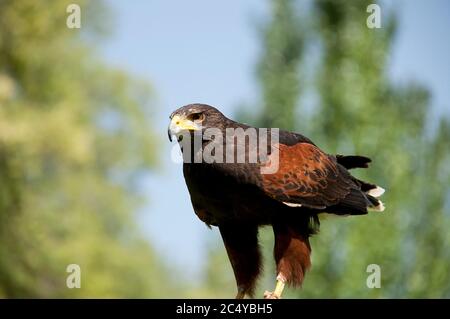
239	195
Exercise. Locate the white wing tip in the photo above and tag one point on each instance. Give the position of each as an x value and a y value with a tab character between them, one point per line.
292	204
376	192
379	208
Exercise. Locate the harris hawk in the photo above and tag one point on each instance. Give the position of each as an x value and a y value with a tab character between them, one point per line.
240	196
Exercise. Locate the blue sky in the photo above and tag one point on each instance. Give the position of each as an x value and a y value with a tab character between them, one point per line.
205	51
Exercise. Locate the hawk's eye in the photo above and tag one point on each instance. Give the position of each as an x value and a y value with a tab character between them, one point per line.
197	117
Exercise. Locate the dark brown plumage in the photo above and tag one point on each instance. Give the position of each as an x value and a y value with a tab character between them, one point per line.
238	197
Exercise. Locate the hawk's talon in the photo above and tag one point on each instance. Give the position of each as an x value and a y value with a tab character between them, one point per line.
271	295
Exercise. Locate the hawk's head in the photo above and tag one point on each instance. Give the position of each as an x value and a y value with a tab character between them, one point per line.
194	117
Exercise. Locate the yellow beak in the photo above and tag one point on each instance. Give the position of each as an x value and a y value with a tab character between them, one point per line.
179	124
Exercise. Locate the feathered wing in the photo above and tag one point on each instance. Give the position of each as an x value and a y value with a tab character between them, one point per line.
310	178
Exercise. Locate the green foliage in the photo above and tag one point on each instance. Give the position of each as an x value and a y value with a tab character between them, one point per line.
362	112
359	111
73	134
277	70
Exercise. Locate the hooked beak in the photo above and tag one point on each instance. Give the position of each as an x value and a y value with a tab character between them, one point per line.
179	124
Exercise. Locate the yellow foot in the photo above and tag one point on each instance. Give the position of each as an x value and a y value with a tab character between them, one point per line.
271	295
278	289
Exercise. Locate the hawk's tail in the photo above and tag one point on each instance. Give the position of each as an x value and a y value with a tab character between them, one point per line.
377	205
353	161
372	191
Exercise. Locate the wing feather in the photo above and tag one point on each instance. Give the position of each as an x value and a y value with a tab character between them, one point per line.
308	177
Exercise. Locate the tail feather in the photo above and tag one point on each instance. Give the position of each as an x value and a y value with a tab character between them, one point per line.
377	191
353	161
358	203
377	205
373	196
373	192
355	203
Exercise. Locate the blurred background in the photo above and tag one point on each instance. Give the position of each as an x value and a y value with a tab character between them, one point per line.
86	175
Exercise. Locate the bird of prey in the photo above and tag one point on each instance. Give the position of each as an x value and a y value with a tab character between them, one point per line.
239	196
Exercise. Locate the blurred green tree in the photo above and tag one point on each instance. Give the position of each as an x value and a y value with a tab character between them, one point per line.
73	136
352	107
278	68
361	111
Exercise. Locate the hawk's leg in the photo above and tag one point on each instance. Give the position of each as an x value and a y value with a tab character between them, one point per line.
241	243
292	256
276	294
